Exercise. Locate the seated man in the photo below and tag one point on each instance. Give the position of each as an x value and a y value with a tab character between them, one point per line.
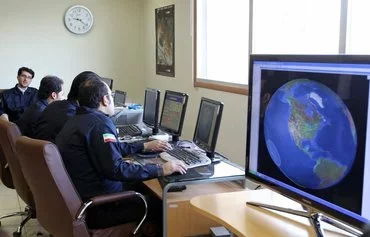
17	99
92	154
56	114
50	90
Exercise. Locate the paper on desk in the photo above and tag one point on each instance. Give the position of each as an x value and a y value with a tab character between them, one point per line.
162	137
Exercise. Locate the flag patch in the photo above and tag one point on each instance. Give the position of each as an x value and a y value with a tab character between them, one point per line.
109	137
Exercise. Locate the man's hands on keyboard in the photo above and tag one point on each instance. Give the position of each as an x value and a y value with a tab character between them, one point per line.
157	145
191	157
171	167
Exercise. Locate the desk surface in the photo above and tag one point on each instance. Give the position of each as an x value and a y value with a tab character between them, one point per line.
231	210
192	190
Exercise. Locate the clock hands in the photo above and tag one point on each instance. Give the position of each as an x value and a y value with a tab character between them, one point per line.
80	20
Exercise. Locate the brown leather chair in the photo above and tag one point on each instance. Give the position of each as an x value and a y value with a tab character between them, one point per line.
59	208
9	132
5	175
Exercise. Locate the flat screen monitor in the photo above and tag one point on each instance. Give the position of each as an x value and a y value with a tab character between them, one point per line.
151	108
119	98
108	81
208	124
173	113
307	131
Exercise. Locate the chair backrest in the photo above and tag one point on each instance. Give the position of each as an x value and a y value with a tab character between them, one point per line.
9	132
5	175
57	201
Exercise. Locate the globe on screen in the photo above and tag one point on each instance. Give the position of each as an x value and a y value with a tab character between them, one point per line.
310	134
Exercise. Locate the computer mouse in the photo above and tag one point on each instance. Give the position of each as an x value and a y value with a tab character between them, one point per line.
204	170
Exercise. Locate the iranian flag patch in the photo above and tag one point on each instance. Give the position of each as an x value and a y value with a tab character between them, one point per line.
109	137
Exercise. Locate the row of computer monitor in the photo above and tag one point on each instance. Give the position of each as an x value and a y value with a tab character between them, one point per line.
173	115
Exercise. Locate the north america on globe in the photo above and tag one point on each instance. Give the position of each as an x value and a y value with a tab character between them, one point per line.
310	134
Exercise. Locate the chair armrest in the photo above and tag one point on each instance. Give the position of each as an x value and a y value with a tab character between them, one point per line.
102	199
108	198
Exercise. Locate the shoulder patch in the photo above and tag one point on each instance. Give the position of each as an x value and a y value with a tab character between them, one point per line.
109	137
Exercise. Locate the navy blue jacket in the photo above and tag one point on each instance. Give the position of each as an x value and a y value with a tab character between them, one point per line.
92	155
27	121
14	102
53	119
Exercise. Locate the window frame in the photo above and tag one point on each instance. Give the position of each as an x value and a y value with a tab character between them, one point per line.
210	84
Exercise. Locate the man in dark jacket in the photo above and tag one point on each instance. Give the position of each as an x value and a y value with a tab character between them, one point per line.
49	91
17	99
56	114
92	155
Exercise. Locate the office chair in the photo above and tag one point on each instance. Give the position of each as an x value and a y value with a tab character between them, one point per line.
9	132
59	208
5	175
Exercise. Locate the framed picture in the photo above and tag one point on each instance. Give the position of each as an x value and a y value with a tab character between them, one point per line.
165	40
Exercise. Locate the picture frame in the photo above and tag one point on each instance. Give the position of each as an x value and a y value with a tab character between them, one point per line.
165	40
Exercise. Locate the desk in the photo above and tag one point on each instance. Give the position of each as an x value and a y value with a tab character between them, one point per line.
231	211
176	205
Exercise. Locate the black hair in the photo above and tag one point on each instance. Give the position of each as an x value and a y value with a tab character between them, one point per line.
80	79
48	85
26	69
91	93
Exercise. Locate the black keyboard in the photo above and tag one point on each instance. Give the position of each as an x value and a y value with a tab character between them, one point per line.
129	130
192	158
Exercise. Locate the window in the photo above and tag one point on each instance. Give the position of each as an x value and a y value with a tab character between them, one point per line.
296	27
226	32
358	35
221	44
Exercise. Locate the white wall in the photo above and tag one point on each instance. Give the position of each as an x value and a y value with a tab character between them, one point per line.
232	136
32	34
121	45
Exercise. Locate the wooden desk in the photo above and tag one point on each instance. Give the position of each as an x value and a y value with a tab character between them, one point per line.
181	219
231	211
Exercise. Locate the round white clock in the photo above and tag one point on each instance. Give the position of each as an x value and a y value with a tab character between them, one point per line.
78	19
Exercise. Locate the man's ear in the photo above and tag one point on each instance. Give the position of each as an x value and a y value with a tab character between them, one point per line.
54	95
105	100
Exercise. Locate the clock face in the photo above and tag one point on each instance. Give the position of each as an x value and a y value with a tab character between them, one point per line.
78	19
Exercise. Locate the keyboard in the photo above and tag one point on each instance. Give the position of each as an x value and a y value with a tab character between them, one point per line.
191	157
129	130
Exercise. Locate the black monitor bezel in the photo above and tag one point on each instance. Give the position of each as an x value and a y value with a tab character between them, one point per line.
209	149
168	130
119	92
110	85
157	104
348	59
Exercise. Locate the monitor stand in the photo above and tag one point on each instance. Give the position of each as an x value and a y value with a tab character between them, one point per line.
211	155
155	130
175	138
314	217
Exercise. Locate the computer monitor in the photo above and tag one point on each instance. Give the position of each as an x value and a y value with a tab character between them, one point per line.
173	113
308	133
151	109
119	98
208	124
108	81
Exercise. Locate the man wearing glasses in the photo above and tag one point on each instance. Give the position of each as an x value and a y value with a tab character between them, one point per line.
17	99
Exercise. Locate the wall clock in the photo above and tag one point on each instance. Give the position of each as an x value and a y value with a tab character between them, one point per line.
78	19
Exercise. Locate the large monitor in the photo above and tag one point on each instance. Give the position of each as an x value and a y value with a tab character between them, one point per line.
307	131
173	113
108	81
151	109
208	124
